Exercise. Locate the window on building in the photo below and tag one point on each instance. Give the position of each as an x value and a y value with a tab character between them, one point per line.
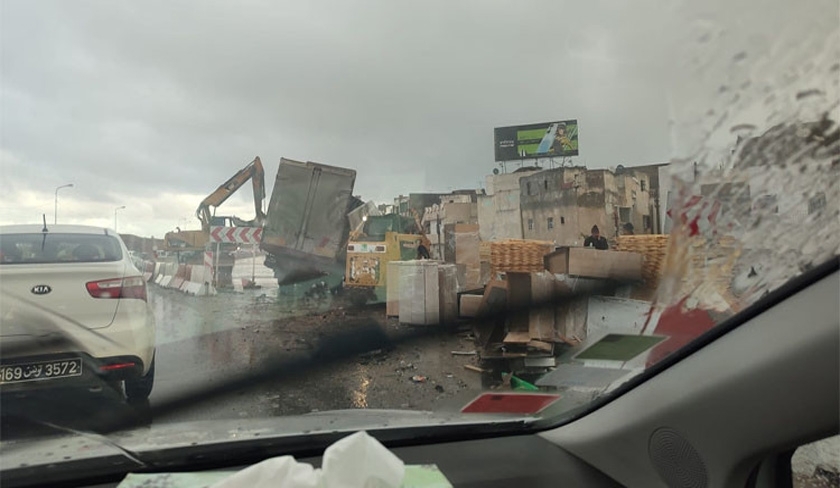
545	184
550	222
642	184
646	222
562	220
530	224
624	214
528	187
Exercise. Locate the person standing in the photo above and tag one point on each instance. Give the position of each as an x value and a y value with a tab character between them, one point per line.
423	250
596	240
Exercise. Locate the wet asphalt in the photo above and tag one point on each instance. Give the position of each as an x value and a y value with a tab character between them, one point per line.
205	341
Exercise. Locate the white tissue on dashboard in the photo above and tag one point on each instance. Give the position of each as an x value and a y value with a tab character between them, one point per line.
357	461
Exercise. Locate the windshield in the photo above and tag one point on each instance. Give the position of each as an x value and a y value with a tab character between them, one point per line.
47	248
400	207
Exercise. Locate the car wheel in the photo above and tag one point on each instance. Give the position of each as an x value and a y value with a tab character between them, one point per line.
138	389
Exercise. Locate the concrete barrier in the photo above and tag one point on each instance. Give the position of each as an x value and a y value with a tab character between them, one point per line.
156	273
187	275
178	278
200	282
195	280
168	274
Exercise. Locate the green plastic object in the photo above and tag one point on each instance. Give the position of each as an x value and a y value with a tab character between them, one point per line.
522	385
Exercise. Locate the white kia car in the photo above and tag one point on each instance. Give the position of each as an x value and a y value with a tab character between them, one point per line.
73	311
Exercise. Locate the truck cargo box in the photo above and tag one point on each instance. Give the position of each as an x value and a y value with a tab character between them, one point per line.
306	226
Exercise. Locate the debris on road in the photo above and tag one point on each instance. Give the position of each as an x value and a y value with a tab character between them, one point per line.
518	383
418	379
463	353
475	368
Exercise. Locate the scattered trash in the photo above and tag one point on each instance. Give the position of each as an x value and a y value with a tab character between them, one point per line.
250	285
449	376
439	388
405	366
418	379
520	384
475	368
463	353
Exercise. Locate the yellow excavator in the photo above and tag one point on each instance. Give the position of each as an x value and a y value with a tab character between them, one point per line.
196	240
253	171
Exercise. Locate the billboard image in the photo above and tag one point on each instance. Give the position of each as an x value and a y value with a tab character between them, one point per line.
549	139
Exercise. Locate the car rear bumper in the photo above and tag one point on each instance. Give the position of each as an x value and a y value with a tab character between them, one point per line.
95	372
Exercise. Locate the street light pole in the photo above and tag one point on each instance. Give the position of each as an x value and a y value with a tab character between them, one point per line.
55	214
115	215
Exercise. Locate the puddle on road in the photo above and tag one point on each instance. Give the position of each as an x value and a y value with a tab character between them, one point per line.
181	316
359	395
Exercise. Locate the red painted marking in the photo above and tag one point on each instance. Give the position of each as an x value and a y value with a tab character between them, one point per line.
510	403
230	235
680	327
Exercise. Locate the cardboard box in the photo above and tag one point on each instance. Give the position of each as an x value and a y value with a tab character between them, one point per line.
448	289
592	263
462	247
419	293
392	289
532	295
490	328
519	298
541	316
470	304
484	273
570	318
495	297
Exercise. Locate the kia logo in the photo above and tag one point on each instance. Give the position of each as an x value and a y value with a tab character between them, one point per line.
41	289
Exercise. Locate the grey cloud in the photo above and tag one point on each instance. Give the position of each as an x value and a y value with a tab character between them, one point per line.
139	98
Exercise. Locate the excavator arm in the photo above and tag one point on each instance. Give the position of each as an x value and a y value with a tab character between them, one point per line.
421	230
253	171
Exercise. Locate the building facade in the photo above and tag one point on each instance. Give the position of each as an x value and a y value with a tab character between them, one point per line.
453	209
499	213
561	205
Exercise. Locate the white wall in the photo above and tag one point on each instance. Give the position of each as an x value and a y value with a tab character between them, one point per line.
499	215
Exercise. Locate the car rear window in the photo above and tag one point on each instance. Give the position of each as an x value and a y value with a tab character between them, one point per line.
58	248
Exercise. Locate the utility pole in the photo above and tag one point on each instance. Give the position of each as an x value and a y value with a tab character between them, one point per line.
55	214
115	215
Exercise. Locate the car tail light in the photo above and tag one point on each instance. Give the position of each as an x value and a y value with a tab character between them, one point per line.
131	287
116	366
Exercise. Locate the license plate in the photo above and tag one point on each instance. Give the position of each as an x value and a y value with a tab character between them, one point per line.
41	370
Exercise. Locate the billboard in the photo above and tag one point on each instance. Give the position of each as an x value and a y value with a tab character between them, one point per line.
546	140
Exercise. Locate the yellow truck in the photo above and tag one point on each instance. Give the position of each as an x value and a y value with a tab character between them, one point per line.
384	239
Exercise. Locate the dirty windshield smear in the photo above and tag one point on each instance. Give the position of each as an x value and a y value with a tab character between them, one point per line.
317	228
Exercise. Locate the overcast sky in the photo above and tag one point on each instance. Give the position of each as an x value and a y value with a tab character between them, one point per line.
154	104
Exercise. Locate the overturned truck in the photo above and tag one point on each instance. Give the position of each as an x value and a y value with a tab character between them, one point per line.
306	228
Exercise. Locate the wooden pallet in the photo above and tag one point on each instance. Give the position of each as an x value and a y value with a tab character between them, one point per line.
653	248
519	256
